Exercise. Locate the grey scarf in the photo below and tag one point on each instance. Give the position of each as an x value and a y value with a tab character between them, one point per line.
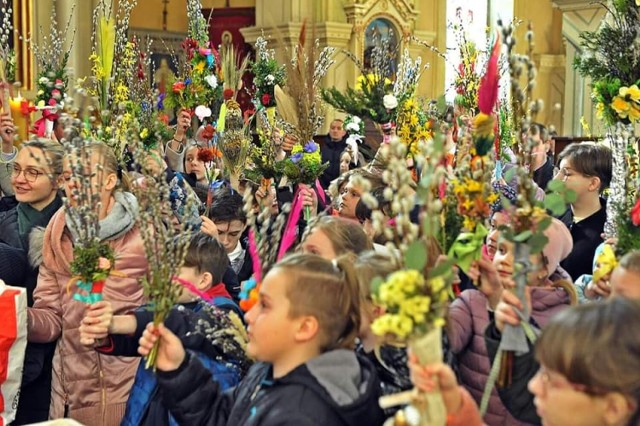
118	222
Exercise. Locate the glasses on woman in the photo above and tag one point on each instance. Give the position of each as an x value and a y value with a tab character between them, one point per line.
552	380
30	174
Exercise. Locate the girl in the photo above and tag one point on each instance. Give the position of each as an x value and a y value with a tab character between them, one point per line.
89	387
330	237
390	361
35	176
302	331
470	313
351	193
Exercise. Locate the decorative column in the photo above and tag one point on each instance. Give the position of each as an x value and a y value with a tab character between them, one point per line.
578	16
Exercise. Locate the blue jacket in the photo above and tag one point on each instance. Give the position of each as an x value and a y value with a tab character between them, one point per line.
145	405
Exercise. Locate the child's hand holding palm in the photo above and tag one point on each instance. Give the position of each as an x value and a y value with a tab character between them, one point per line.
170	352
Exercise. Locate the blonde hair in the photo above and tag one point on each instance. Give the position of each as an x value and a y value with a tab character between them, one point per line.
110	164
346	236
327	291
53	151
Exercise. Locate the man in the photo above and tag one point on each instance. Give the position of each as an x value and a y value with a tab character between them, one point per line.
331	149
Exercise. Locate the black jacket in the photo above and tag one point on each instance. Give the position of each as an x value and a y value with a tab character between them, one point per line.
15	269
516	398
331	152
586	236
544	174
335	388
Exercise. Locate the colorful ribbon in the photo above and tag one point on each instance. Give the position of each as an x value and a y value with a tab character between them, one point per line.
249	294
92	291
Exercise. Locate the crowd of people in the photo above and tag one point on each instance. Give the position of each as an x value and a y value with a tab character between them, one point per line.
309	355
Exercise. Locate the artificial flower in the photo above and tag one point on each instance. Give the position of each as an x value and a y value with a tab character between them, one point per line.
178	86
212	81
227	94
199	67
208	132
266	99
390	101
202	112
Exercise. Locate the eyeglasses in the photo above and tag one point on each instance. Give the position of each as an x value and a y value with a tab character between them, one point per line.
30	175
552	380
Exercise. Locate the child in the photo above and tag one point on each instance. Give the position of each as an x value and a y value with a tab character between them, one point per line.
623	281
470	314
586	169
303	331
227	222
584	370
205	262
331	236
390	361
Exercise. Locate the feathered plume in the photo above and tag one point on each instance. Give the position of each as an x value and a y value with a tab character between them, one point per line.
488	90
299	103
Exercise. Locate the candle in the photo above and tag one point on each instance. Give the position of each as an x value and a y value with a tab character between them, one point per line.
20	120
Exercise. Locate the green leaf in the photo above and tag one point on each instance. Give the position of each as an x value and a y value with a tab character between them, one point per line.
544	223
441	105
570	196
416	256
537	242
509	174
555	204
523	236
555	186
376	282
442	268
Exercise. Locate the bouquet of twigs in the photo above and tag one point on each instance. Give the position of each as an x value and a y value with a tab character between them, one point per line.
165	244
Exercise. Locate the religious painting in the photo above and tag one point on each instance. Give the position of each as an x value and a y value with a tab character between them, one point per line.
381	30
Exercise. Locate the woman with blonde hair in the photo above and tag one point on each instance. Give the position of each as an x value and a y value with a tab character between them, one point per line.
87	386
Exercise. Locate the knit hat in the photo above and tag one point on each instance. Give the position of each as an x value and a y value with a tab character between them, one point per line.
559	245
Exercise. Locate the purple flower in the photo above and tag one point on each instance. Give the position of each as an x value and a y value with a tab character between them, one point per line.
161	101
295	158
310	147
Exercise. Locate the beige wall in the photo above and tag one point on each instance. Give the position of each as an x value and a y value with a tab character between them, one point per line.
340	23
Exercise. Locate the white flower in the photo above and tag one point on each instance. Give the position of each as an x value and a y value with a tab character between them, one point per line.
269	79
211	81
203	112
390	101
43	80
355	119
352	126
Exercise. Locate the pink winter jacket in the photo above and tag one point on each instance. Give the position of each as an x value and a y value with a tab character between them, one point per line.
468	319
95	387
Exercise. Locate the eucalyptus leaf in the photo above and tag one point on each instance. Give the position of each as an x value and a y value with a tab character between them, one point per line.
570	196
376	282
443	268
509	174
555	204
555	186
537	242
416	256
523	236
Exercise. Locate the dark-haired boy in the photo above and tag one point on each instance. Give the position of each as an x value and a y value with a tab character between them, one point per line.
586	169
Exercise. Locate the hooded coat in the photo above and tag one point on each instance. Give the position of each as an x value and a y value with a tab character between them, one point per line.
87	386
335	388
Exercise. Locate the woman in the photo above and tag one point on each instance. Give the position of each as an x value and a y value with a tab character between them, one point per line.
34	173
89	387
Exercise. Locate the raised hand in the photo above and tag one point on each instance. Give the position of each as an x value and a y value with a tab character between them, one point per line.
170	352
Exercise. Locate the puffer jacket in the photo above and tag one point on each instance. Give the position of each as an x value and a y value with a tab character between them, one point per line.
468	319
87	386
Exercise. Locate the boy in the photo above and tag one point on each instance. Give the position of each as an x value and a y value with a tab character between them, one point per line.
227	222
303	330
190	319
586	169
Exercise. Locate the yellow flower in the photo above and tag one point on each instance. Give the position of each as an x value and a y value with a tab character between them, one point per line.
437	284
631	92
199	67
413	121
416	308
474	185
144	133
469	224
492	198
620	106
409	103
